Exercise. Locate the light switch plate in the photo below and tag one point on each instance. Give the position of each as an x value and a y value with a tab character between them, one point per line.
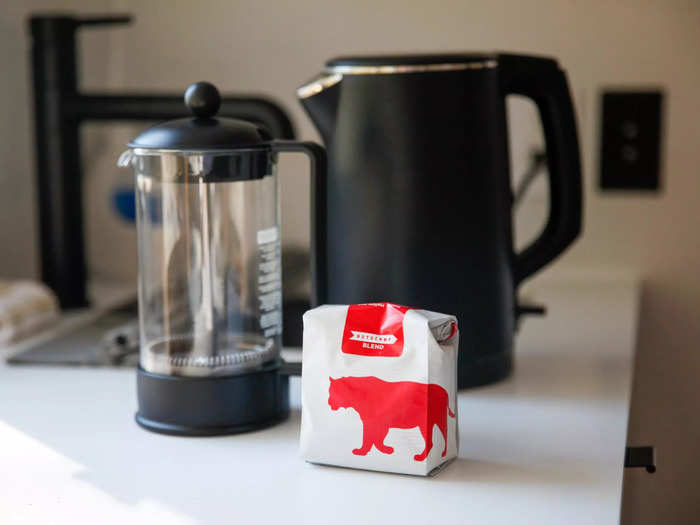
630	140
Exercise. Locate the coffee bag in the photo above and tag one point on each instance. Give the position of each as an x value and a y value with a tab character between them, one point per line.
379	388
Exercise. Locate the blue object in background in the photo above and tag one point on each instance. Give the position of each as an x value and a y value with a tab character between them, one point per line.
124	201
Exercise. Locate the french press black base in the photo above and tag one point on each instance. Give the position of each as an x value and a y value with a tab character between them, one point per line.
204	406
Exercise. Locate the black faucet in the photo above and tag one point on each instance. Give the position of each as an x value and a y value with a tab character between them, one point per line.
60	109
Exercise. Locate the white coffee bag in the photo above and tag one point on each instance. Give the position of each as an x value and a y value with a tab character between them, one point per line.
379	388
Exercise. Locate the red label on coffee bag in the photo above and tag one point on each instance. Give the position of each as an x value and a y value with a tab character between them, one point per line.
374	329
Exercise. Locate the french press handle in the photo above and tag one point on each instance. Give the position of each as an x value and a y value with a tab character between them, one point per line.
319	166
541	80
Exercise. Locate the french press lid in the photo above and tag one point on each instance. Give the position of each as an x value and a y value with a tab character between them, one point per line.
203	132
228	149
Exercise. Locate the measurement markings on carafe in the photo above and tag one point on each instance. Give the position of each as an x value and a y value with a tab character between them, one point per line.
270	281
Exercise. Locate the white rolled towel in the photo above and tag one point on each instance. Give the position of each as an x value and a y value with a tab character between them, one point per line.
25	308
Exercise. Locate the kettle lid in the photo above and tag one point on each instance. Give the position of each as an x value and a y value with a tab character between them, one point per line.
203	131
356	64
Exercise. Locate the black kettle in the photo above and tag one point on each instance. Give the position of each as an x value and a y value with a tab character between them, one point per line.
418	196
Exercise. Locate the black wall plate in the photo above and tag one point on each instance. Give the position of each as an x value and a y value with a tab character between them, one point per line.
630	140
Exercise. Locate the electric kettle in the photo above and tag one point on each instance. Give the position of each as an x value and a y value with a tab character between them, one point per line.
418	192
210	291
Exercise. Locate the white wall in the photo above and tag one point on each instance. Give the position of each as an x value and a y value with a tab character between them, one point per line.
274	47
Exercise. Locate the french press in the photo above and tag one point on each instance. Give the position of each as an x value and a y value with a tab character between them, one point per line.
210	289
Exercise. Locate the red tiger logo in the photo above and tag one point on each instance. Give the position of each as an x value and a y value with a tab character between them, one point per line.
383	405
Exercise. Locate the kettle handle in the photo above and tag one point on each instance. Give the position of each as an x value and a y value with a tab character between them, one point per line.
541	80
319	166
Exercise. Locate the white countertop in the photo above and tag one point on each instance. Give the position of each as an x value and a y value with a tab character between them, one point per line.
545	446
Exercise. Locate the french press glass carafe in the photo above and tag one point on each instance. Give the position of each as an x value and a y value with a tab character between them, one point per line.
210	290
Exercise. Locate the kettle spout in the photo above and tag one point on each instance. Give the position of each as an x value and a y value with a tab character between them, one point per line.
319	98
